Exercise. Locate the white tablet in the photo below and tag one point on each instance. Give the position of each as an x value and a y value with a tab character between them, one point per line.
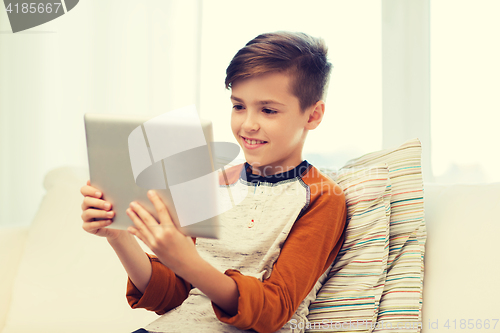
128	155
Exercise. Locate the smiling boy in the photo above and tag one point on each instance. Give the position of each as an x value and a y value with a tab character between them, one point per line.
268	122
277	245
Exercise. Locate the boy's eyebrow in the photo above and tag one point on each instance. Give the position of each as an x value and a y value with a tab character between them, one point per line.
270	101
236	99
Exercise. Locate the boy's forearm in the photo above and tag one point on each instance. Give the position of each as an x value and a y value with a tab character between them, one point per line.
134	260
220	288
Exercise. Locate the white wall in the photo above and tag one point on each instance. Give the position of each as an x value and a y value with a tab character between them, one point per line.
143	57
103	56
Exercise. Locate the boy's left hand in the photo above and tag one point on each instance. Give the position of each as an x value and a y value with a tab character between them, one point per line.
173	249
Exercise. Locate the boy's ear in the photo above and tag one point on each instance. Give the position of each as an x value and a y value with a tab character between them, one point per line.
316	113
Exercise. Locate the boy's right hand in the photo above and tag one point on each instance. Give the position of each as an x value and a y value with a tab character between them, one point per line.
94	207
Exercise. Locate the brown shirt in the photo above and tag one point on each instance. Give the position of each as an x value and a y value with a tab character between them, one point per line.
277	284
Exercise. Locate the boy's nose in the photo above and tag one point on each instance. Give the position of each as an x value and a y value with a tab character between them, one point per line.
250	124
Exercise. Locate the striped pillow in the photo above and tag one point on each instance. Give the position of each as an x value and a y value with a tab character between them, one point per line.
356	280
401	301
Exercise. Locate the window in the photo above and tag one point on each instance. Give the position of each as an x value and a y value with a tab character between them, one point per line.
465	85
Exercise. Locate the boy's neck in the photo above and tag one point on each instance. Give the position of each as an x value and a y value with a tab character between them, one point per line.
269	170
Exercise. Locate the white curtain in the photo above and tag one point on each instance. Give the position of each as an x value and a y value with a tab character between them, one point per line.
113	56
406	76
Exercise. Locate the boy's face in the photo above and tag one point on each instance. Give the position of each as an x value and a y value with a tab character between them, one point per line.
266	111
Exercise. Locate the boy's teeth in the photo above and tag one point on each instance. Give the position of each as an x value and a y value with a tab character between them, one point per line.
253	142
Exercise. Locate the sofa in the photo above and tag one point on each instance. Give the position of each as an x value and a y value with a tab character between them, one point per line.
57	278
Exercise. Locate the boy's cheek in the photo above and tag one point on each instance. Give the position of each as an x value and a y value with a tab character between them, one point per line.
235	131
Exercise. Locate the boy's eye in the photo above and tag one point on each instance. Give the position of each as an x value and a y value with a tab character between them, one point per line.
238	107
268	111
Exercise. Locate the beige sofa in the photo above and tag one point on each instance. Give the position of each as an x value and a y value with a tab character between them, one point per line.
55	277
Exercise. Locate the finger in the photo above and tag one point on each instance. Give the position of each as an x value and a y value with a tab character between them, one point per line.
163	213
90	214
93	227
88	182
134	231
140	230
89	202
145	216
90	191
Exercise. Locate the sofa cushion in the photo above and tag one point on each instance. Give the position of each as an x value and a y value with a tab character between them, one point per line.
461	288
69	280
356	280
401	300
12	241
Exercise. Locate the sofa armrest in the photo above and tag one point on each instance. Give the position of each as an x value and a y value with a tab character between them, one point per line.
12	241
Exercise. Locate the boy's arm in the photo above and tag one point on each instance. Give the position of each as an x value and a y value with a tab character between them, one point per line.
177	252
151	285
164	292
311	247
134	260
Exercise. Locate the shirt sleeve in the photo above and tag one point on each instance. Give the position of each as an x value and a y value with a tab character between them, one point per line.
164	292
310	248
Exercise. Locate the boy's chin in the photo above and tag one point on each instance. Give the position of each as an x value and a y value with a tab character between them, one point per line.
253	163
256	164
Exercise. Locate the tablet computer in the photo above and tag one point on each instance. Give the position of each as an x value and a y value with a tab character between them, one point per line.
128	155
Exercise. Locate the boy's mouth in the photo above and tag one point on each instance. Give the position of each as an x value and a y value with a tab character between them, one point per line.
253	143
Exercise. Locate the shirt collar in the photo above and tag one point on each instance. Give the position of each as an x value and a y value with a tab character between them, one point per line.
298	171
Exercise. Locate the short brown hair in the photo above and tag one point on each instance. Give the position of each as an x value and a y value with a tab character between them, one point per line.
295	53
